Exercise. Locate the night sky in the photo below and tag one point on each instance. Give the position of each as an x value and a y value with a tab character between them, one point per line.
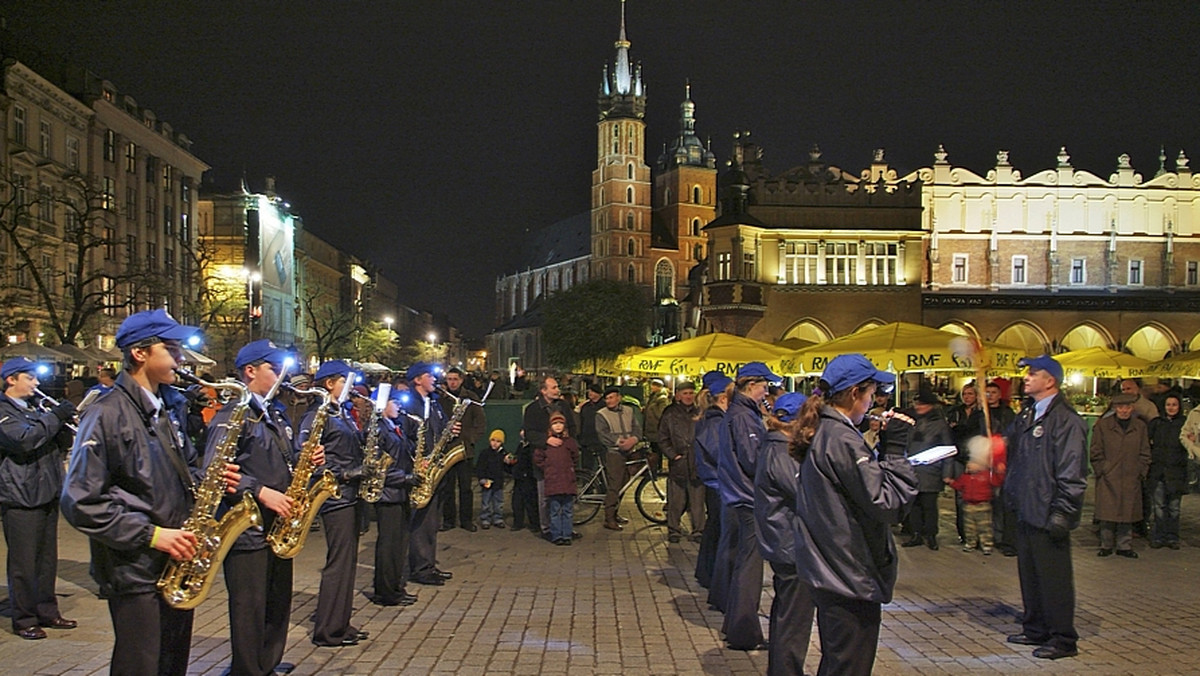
430	136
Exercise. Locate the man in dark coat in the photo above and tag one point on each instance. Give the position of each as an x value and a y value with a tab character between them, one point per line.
1120	455
1044	488
931	430
676	432
31	475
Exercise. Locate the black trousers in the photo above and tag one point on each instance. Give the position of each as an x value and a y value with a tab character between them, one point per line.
849	631
1047	587
791	622
718	589
260	604
458	484
152	638
924	516
422	543
32	537
706	557
391	551
335	598
525	503
742	628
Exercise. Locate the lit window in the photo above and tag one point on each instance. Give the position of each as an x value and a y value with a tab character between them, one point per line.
73	152
1078	270
131	158
44	138
1135	273
167	174
168	219
724	263
108	199
664	280
747	265
20	131
841	263
1019	264
1193	273
958	274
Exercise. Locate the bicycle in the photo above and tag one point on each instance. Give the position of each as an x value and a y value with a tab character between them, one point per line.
650	495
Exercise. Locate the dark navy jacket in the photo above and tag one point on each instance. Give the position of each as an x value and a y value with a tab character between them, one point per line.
343	451
264	458
848	500
121	483
1046	464
397	438
775	487
31	455
744	430
707	443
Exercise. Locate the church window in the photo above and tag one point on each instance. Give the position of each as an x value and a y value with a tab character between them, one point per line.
629	171
631	274
629	194
1079	271
696	194
629	221
664	280
695	227
630	247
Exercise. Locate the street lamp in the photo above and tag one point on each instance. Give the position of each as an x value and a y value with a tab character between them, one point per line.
252	278
388	321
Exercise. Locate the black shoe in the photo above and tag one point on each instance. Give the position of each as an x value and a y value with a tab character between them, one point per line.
443	574
915	541
760	646
500	524
380	601
1104	552
1127	553
470	527
430	579
1008	551
1024	639
362	635
284	668
1156	545
932	543
1050	652
445	527
348	641
621	519
486	525
31	633
576	535
407	599
1173	545
673	538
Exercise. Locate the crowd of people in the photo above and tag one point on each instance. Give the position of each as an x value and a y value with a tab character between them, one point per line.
815	485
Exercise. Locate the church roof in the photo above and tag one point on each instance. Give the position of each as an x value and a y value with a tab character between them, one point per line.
567	239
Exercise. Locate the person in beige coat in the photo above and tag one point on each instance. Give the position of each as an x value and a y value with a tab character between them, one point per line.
1120	455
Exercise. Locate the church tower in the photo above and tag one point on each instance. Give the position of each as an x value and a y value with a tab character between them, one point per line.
685	186
621	189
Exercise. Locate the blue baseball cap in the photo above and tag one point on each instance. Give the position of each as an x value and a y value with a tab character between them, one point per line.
393	395
847	370
787	406
148	324
17	365
332	369
757	369
715	381
1044	363
260	350
419	369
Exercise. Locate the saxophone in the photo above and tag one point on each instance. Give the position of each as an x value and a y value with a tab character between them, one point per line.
288	535
375	461
184	584
432	466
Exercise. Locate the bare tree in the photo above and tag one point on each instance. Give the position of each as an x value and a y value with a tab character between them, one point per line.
70	300
332	326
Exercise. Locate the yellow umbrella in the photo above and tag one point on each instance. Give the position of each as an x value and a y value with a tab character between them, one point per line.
1186	365
1101	362
695	356
609	368
901	347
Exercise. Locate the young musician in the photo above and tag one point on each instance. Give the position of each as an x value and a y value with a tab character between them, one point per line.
423	403
259	583
343	453
129	488
31	475
397	438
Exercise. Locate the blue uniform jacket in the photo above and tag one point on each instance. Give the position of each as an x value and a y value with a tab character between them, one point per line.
31	457
776	483
121	483
343	451
398	439
707	443
744	432
1046	464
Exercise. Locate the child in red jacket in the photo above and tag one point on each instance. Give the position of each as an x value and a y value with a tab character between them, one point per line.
977	486
558	465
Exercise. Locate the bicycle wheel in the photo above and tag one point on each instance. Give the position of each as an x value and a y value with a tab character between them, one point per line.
589	497
651	498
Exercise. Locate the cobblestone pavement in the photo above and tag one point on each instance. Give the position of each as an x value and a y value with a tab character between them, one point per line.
626	603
